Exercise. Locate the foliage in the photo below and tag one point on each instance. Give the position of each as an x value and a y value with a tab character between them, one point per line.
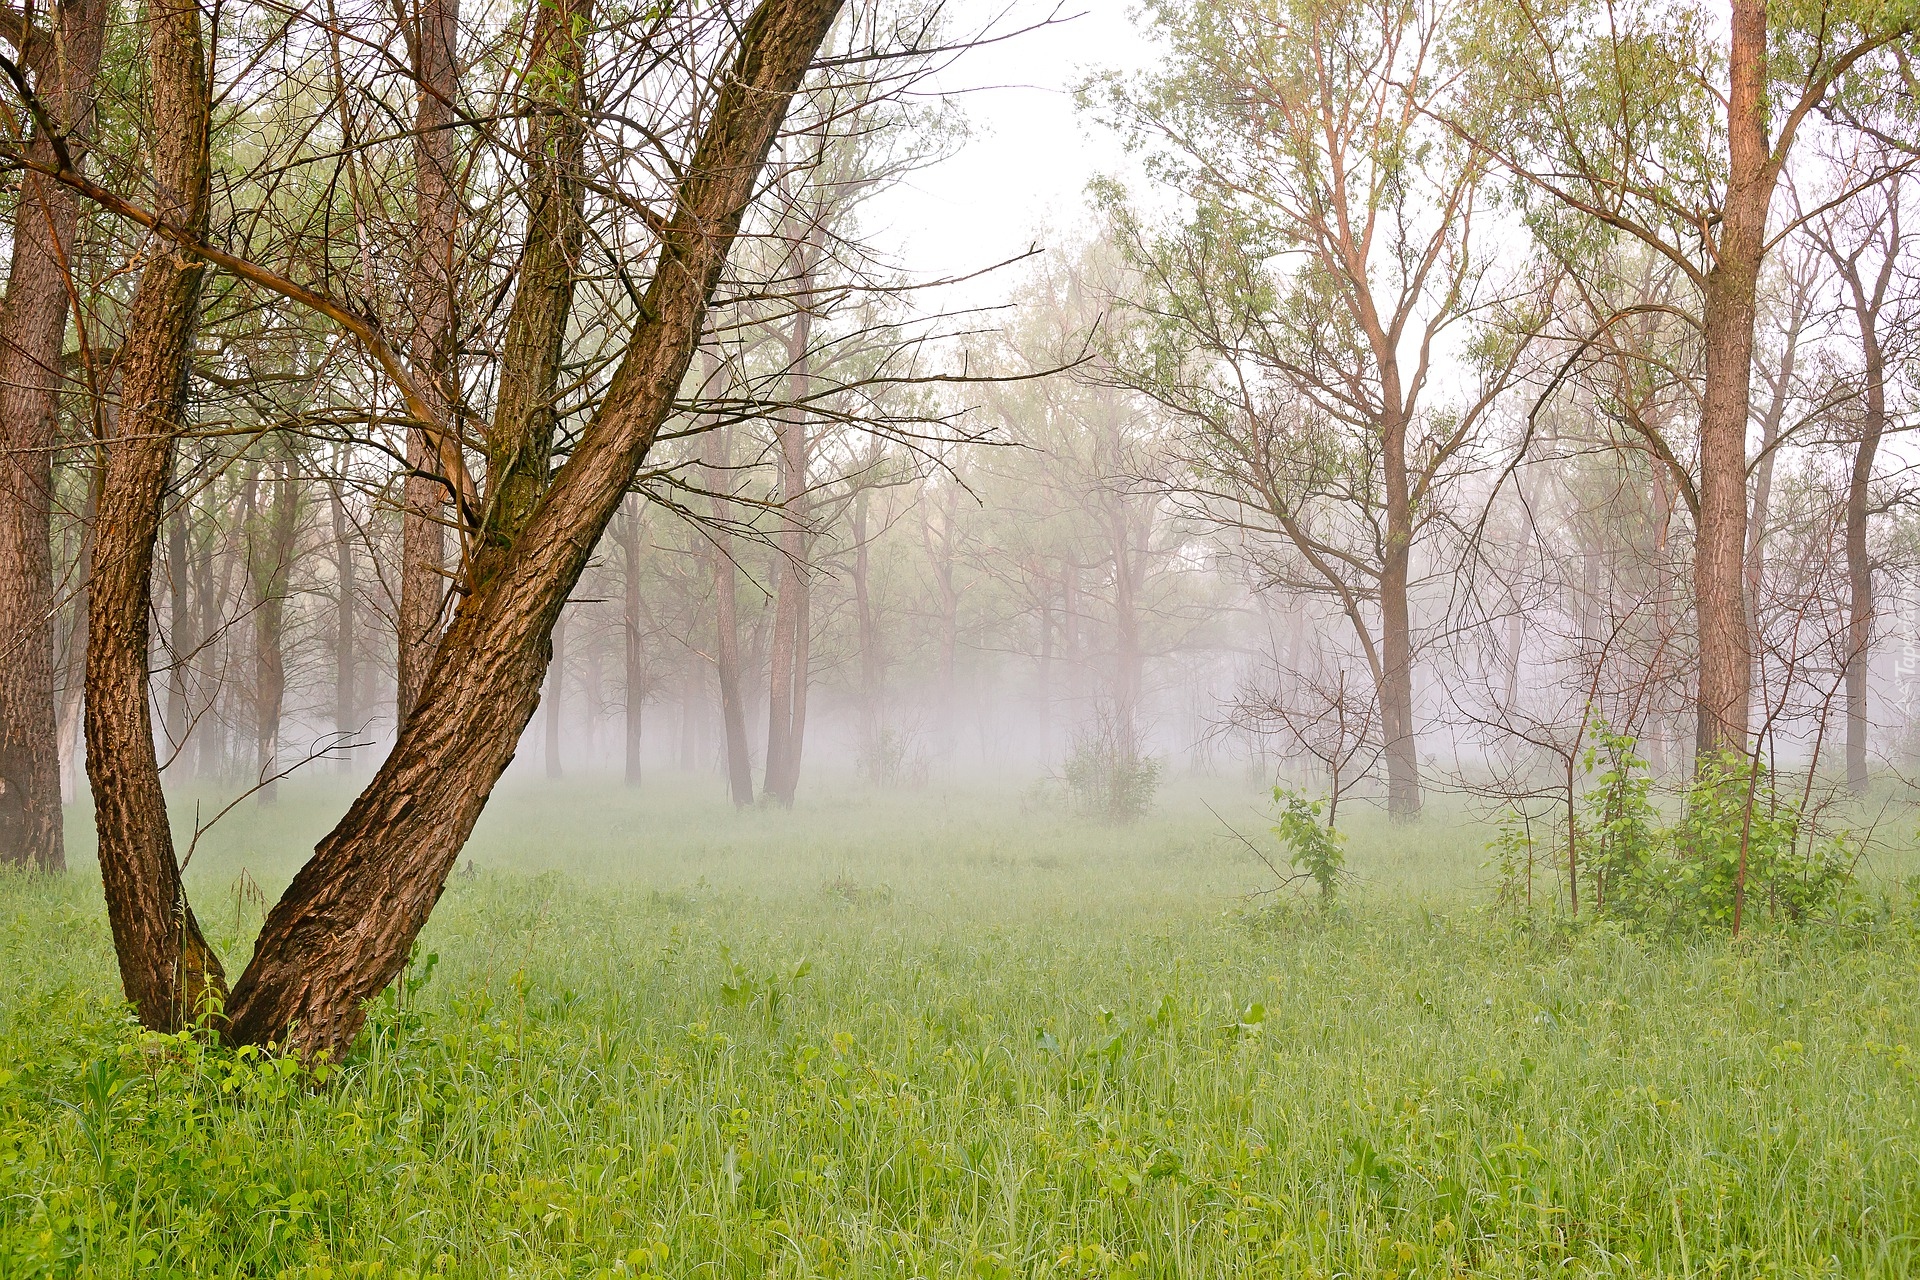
1108	776
1739	842
1313	849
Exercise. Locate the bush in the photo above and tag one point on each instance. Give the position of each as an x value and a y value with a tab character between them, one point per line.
1108	777
1739	845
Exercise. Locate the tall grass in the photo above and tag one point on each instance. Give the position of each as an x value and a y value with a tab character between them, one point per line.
935	1034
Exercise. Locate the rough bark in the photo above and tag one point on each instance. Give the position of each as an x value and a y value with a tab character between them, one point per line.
423	539
343	929
33	326
520	442
1725	644
166	967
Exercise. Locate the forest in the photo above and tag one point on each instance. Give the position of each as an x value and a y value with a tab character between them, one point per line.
576	700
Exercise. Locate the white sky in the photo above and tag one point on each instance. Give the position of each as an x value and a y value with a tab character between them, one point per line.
1022	175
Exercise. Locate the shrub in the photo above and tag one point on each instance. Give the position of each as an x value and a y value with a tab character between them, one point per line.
1107	775
1739	844
1313	849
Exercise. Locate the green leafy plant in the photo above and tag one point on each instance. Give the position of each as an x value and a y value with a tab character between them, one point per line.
1315	850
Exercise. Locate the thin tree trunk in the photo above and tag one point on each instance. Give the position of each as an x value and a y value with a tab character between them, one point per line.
866	630
1867	300
269	555
166	967
33	328
633	692
556	693
345	657
343	929
182	637
423	545
1396	636
726	627
787	667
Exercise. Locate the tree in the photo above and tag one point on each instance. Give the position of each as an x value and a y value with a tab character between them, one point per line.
383	866
1295	318
1863	240
1640	123
64	60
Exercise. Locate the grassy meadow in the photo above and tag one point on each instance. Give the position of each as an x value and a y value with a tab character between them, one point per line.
946	1032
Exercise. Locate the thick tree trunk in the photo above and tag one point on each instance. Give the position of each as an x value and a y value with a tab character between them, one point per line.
520	443
167	968
633	687
423	544
33	328
344	928
1719	579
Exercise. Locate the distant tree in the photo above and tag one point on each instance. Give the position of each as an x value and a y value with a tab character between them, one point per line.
1333	257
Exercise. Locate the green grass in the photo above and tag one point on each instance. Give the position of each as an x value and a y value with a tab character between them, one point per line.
1026	1045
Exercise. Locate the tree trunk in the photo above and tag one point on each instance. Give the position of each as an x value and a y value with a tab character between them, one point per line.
1867	301
1725	644
1396	635
866	630
345	658
726	627
166	967
344	928
787	668
556	693
270	553
633	689
33	329
182	635
436	162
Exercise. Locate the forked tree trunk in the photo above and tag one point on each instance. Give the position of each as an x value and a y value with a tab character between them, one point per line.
167	968
33	328
344	927
431	39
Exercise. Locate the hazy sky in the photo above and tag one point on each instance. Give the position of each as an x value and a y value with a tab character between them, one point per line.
1022	175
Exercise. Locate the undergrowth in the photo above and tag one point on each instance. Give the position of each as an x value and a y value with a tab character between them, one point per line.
596	1080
